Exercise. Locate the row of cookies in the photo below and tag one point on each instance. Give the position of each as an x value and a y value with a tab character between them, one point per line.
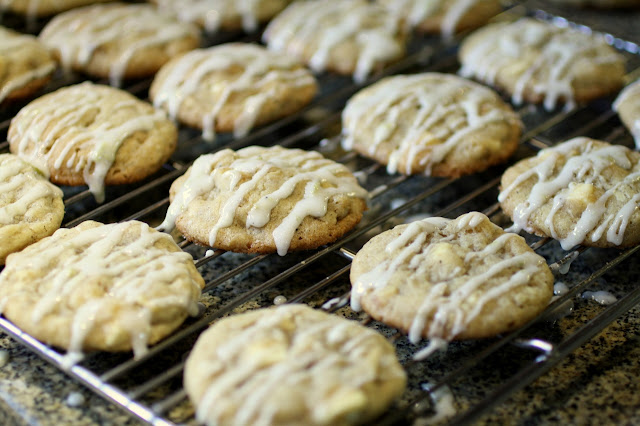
448	127
133	40
102	51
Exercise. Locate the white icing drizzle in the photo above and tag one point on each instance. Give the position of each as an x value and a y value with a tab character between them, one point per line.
77	35
584	162
333	23
279	300
631	94
336	359
10	43
17	176
416	11
555	49
601	297
560	288
444	406
213	13
318	174
437	97
131	270
75	399
34	125
443	311
260	68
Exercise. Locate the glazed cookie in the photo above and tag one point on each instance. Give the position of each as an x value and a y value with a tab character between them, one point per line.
25	65
227	15
35	8
448	279
31	208
603	4
627	105
92	134
436	124
538	62
291	365
232	87
118	40
101	287
444	16
582	191
344	36
262	200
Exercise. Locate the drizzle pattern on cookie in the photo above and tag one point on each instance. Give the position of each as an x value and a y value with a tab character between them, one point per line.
419	10
12	44
367	26
20	178
130	272
46	126
631	94
440	308
214	12
578	161
242	171
335	364
76	35
449	109
556	51
260	68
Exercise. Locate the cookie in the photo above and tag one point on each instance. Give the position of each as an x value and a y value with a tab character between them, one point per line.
263	200
538	62
582	191
31	208
291	365
112	287
431	123
627	105
602	4
35	8
232	87
118	41
444	16
92	134
25	65
226	15
345	36
446	279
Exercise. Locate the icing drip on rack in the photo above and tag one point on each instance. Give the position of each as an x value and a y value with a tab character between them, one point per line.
260	69
333	355
437	98
106	25
556	51
240	172
630	93
49	125
573	169
18	177
335	22
214	12
136	279
11	43
440	309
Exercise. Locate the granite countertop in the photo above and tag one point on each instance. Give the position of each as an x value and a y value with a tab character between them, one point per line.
599	383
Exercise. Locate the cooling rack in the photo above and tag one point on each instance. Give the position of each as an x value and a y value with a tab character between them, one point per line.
453	386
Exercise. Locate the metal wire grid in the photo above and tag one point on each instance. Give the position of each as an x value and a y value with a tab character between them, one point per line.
156	397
